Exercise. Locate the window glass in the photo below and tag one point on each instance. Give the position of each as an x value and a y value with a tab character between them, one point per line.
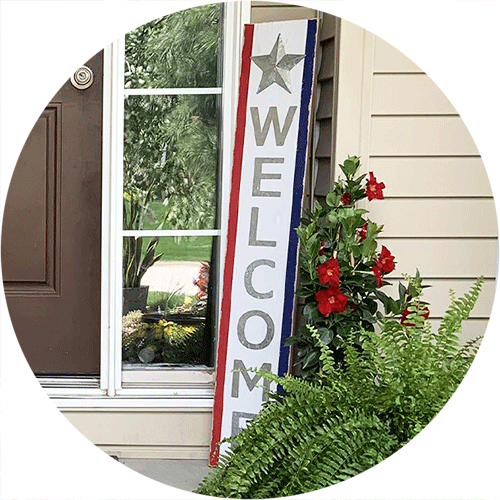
179	50
166	321
170	194
171	160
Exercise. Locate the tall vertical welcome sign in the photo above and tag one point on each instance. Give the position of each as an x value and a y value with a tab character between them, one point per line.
265	204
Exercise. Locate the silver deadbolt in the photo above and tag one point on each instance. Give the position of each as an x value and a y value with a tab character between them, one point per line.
83	78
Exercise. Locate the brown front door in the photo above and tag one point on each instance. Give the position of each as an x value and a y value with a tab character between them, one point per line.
51	236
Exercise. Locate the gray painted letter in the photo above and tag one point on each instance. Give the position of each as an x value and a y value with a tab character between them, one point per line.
269	329
235	421
258	176
252	237
251	382
272	116
248	278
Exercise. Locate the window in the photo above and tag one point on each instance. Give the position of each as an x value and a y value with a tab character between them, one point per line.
170	189
169	108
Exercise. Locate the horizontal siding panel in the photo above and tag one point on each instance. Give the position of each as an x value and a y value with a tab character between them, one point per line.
432	176
471	329
437	295
388	59
444	258
408	95
261	14
435	218
143	427
420	136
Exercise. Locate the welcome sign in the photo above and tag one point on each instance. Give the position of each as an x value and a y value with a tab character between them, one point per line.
265	205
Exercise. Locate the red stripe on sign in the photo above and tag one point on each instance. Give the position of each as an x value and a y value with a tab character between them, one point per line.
231	242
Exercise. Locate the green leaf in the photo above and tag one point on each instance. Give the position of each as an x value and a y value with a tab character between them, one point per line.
325	335
332	199
311	359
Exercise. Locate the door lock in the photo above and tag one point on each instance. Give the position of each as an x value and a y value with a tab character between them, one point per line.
83	78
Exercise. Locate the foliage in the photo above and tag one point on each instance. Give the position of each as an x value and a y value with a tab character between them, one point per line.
170	147
341	273
346	420
135	262
163	341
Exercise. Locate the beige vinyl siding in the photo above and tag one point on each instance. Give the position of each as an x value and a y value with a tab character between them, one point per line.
438	213
148	433
263	12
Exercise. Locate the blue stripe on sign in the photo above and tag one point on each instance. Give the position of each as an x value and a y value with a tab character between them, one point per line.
298	189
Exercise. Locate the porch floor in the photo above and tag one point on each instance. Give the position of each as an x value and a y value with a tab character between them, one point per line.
181	474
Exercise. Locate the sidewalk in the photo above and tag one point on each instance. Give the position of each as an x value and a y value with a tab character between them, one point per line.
172	276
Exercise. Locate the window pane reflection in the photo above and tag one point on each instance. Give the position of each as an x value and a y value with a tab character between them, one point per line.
167	319
178	50
170	161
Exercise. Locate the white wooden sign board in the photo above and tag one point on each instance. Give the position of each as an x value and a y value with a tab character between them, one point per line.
266	199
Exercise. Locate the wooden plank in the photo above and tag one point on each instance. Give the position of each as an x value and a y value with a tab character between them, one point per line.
324	148
325	105
323	178
408	95
327	27
432	176
438	295
261	14
388	59
444	258
420	136
327	67
435	217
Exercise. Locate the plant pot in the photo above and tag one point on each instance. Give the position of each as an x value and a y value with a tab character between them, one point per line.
135	299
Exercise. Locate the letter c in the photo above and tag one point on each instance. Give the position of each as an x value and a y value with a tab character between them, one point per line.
248	278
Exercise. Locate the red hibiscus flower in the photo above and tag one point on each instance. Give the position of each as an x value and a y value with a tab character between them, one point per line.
374	188
406	313
331	300
377	271
346	199
385	261
362	232
329	273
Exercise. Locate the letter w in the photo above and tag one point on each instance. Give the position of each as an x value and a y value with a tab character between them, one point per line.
238	368
272	116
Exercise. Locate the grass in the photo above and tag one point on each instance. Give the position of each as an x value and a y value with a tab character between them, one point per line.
191	248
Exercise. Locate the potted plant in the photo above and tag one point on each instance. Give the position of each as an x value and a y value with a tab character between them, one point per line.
135	261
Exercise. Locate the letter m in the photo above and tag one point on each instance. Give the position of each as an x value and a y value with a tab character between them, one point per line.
251	382
272	116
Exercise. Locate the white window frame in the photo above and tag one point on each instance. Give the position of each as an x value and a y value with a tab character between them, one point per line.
165	388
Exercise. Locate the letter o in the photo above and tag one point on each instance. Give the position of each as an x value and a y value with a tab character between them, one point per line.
269	329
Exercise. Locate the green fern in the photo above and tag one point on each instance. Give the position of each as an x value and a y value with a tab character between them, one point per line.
345	421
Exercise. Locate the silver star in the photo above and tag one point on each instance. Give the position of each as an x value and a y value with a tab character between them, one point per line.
276	66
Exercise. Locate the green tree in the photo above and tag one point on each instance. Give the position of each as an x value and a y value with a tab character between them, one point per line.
170	145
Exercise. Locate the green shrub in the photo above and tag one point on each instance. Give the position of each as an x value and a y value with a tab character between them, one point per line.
320	432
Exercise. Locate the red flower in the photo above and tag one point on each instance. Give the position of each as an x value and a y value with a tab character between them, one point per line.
385	261
331	300
377	271
346	199
406	313
374	188
329	273
362	232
